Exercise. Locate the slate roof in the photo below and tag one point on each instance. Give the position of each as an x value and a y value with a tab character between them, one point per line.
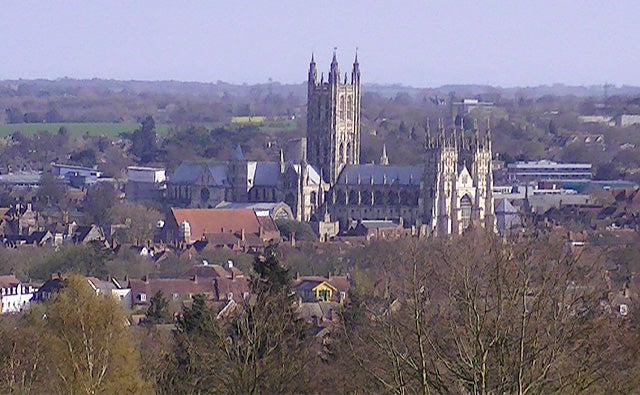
102	285
404	175
504	206
237	153
378	224
314	177
267	174
341	283
258	206
190	172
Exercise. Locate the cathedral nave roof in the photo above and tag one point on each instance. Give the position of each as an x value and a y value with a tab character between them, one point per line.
403	175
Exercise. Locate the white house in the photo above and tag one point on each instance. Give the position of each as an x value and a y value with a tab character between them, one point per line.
112	287
14	295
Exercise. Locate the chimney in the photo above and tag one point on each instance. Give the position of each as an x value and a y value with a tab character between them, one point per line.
292	239
195	278
260	231
242	234
145	278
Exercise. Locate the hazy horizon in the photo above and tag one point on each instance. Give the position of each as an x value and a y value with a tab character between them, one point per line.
413	43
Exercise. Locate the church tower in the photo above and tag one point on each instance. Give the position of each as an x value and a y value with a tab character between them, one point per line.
457	181
333	120
439	181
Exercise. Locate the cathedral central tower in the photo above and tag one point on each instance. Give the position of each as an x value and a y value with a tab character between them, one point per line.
333	120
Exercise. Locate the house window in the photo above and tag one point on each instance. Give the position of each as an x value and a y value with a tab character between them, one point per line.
324	295
142	297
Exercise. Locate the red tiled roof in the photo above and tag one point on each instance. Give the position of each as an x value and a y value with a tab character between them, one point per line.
8	281
267	224
206	271
237	287
212	221
170	286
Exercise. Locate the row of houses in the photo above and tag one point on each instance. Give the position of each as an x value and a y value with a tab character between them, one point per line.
224	287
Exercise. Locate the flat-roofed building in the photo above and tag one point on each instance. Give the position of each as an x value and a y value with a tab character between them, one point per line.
145	183
545	170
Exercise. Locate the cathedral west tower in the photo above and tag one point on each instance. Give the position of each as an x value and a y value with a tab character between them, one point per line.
333	120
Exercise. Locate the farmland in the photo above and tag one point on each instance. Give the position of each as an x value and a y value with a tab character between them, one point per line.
77	129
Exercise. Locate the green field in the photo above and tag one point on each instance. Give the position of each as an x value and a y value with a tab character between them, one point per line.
77	129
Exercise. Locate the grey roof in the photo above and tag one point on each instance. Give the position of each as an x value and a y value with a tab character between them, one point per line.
404	175
504	206
373	224
238	154
296	150
189	172
23	177
267	174
314	177
255	206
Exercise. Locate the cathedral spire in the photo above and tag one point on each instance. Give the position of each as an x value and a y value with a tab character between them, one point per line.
313	72
355	74
281	161
488	134
334	73
428	133
384	160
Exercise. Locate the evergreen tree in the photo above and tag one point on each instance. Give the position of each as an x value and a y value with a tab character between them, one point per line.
260	347
143	141
158	311
271	273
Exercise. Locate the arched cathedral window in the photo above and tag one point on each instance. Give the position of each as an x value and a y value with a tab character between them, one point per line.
349	108
341	109
349	153
366	197
465	210
341	153
353	197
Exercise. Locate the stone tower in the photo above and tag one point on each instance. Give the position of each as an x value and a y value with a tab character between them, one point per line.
333	120
457	181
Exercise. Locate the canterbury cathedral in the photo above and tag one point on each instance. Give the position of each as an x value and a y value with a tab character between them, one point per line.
321	178
445	195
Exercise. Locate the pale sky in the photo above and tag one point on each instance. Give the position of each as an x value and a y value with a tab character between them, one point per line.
418	43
